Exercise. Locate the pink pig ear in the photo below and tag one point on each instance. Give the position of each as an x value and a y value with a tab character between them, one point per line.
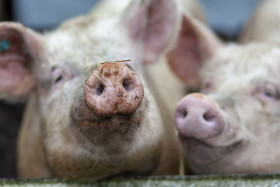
18	48
195	44
152	24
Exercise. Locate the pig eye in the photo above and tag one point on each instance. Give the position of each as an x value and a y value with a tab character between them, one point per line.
206	88
270	91
57	75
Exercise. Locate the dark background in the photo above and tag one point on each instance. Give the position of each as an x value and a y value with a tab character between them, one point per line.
226	17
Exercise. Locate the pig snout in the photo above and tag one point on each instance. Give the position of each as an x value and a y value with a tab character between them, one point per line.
198	117
113	88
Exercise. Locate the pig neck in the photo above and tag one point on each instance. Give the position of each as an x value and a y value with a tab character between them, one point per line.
30	142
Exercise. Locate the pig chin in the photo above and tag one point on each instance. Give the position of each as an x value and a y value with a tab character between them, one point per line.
101	130
201	152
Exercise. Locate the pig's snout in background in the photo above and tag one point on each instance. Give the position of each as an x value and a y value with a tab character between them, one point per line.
113	88
198	117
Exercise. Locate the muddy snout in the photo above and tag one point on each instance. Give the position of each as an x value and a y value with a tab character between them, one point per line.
196	116
113	88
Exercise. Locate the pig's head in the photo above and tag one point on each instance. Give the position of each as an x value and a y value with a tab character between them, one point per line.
98	119
232	126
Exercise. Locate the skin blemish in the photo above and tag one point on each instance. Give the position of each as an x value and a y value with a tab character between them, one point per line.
107	74
4	45
115	73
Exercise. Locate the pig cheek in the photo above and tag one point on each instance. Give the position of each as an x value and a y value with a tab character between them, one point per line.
58	139
55	107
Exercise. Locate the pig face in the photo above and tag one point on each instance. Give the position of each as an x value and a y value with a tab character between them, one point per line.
109	137
232	126
95	119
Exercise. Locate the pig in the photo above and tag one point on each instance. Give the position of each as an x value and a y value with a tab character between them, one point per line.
108	8
263	24
88	117
232	124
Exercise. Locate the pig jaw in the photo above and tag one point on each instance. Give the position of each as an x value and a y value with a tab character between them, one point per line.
135	147
207	133
85	144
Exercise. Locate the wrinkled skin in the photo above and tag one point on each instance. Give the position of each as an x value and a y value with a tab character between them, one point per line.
60	135
241	83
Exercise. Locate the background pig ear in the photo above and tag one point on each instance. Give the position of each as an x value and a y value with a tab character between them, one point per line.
152	24
195	44
18	48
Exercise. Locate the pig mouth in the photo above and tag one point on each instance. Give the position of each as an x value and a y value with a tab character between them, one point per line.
119	123
203	151
192	143
84	116
112	133
101	130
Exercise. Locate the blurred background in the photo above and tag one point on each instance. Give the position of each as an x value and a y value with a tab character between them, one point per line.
225	17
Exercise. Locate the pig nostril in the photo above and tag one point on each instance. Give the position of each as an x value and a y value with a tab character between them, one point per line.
127	85
208	116
100	89
183	113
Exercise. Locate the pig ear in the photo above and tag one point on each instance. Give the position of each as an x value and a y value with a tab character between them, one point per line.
152	24
195	44
18	48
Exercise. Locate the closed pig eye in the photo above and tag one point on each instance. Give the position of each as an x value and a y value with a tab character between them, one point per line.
270	91
58	79
57	75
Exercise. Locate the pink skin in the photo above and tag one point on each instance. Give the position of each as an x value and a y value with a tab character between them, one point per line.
198	117
113	89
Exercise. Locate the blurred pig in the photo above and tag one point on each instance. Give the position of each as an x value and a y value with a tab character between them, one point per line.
233	125
86	119
264	24
168	88
109	8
